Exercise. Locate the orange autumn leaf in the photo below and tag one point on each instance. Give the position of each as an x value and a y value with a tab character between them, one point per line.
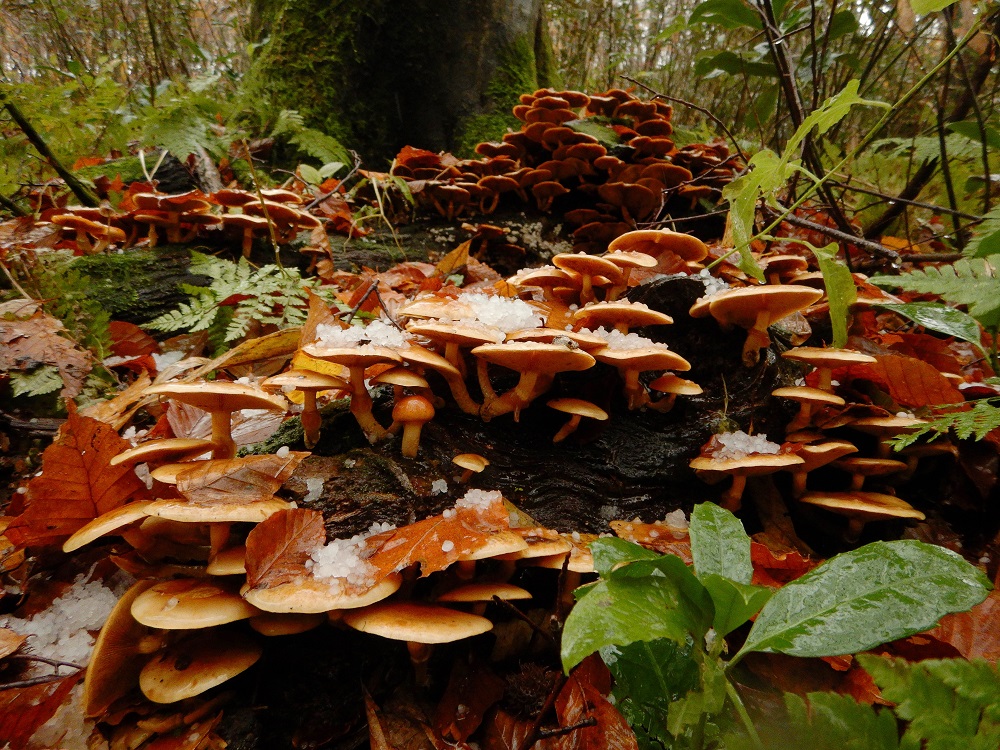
24	710
77	483
473	688
118	411
655	536
454	261
278	548
319	314
774	569
910	382
974	634
10	642
237	480
128	340
436	542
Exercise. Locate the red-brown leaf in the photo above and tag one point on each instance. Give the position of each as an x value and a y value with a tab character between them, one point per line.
237	480
24	710
278	547
77	483
30	338
128	340
580	700
472	690
421	542
118	411
976	633
910	382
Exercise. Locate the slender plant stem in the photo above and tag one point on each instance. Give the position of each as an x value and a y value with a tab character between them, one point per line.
263	207
741	710
870	135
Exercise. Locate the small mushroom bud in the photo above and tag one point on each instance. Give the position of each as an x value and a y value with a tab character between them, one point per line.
412	412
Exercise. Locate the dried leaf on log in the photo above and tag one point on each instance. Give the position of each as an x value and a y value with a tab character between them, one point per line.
30	338
237	480
278	548
77	483
118	411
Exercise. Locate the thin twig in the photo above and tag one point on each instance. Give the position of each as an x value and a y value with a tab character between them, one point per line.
915	204
524	618
33	681
692	105
263	207
544	734
876	249
44	660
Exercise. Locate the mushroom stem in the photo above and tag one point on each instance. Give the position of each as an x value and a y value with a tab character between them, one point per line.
731	497
247	242
310	417
361	406
461	394
664	404
218	535
567	429
801	420
857	482
420	655
482	372
411	438
222	435
757	338
854	528
799	483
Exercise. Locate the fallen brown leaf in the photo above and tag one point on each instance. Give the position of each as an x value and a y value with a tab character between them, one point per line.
24	710
118	411
237	480
278	548
30	338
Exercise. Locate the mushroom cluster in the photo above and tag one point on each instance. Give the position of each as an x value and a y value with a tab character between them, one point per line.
628	172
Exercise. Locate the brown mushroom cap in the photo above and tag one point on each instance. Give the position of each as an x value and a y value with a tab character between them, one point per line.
588	265
870	467
229	562
578	407
820	454
234	512
657	241
868	506
186	604
218	396
806	395
526	356
652	357
154	450
353	356
586	341
107	523
470	461
301	380
819	356
621	314
751	465
311	595
116	661
416	623
484	592
670	383
499	543
196	664
743	306
402	377
275	624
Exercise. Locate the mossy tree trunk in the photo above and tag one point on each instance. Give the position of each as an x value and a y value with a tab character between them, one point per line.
381	74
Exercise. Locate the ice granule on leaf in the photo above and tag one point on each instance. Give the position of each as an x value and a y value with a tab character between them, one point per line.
439	487
740	445
61	631
163	361
314	486
282	452
346	559
506	314
677	519
67	729
447	545
479	500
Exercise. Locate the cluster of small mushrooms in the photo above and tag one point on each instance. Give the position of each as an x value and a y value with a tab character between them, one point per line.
556	159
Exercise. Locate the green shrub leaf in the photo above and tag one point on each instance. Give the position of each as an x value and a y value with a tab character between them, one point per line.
840	290
640	601
871	595
734	603
719	545
941	318
611	552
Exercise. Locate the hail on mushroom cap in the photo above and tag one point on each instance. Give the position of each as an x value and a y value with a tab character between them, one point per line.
622	315
187	604
756	308
632	362
220	399
741	467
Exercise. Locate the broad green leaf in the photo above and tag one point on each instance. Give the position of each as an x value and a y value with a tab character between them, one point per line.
986	237
649	676
730	14
735	603
970	129
708	698
841	292
844	22
923	7
766	174
949	703
719	545
860	599
641	601
610	552
605	135
310	174
734	64
941	318
828	114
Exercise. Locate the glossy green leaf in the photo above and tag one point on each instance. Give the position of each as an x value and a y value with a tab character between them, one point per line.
841	292
605	135
730	14
640	601
734	603
860	599
719	545
708	698
310	174
610	552
829	721
949	703
923	7
970	129
941	318
844	22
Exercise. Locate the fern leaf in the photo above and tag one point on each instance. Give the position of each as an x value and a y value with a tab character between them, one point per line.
37	382
986	240
970	281
976	422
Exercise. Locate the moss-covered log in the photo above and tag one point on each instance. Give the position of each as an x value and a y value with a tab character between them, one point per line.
378	75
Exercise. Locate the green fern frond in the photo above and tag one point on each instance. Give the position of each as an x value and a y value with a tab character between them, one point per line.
970	281
310	141
926	148
37	382
266	295
986	239
976	423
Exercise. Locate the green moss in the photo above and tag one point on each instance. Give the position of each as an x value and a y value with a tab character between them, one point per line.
129	168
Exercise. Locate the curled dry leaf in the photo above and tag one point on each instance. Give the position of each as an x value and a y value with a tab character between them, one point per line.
118	411
237	480
655	536
128	340
24	710
30	338
473	689
438	541
278	548
10	642
77	483
910	382
580	699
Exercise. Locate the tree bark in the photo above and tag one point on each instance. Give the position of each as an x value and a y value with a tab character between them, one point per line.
378	74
